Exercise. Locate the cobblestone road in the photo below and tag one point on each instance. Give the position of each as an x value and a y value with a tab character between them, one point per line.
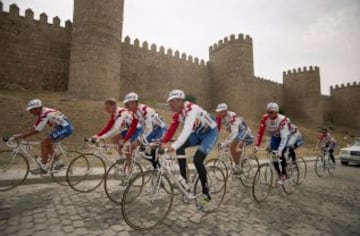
321	206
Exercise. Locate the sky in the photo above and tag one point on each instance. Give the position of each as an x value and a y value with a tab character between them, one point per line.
286	34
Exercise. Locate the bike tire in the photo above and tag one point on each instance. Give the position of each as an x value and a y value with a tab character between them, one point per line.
249	170
292	171
263	180
81	175
331	166
58	175
8	169
320	166
134	210
115	182
302	168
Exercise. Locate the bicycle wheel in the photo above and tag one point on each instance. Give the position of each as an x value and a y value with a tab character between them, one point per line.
117	178
59	166
331	165
144	207
14	168
262	182
85	173
219	163
320	165
249	167
217	186
302	169
292	171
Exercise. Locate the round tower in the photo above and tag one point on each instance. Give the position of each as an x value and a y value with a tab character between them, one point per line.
95	49
232	72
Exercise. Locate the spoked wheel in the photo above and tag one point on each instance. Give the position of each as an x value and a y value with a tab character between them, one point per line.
14	169
59	166
302	169
85	173
144	207
331	165
249	167
221	164
117	178
320	167
217	186
262	183
292	171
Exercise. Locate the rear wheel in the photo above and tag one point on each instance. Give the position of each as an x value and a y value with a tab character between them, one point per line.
320	165
249	166
302	169
14	169
331	165
117	178
292	171
262	183
85	173
59	166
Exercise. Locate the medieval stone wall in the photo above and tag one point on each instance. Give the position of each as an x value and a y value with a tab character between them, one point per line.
34	54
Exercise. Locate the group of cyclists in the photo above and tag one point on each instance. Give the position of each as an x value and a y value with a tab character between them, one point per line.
137	122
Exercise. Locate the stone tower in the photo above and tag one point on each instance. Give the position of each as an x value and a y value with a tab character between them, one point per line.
95	49
302	94
232	70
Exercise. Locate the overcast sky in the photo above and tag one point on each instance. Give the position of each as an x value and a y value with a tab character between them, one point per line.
286	33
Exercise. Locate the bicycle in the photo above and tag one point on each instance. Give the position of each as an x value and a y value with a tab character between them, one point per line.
15	163
249	165
302	169
264	178
324	163
146	206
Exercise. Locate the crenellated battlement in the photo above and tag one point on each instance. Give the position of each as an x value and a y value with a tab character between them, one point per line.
301	70
137	45
347	85
14	12
240	38
271	82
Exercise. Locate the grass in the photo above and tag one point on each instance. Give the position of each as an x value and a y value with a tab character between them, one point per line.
88	117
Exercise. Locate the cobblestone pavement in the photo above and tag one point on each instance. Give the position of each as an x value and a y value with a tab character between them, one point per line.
321	206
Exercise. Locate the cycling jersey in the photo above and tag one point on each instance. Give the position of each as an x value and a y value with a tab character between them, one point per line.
235	125
119	121
194	119
51	117
278	128
327	140
148	119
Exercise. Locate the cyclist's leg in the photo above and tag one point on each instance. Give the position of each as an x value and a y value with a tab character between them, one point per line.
235	149
274	145
207	142
46	149
181	156
55	136
155	136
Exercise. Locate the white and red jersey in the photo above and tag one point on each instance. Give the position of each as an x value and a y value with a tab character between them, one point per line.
325	139
233	124
194	119
147	118
280	126
119	120
51	117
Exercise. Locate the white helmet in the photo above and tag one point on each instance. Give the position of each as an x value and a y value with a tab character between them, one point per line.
176	94
130	97
272	106
34	103
221	107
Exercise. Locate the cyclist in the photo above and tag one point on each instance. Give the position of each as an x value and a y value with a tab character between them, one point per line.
327	142
118	124
240	133
198	129
46	116
152	123
295	141
277	126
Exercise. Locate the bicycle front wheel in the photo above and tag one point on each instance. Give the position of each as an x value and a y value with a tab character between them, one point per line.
249	167
117	178
217	186
320	167
302	169
86	173
14	169
292	171
59	166
219	163
262	183
144	207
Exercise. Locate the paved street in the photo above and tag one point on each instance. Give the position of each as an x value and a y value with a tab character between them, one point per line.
321	206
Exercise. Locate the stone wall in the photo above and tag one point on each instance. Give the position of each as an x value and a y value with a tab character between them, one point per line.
152	72
346	104
302	94
34	53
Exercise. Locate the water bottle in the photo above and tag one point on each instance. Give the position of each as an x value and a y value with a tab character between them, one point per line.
183	183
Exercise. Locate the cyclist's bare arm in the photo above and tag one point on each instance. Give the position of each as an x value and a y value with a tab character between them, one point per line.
32	131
